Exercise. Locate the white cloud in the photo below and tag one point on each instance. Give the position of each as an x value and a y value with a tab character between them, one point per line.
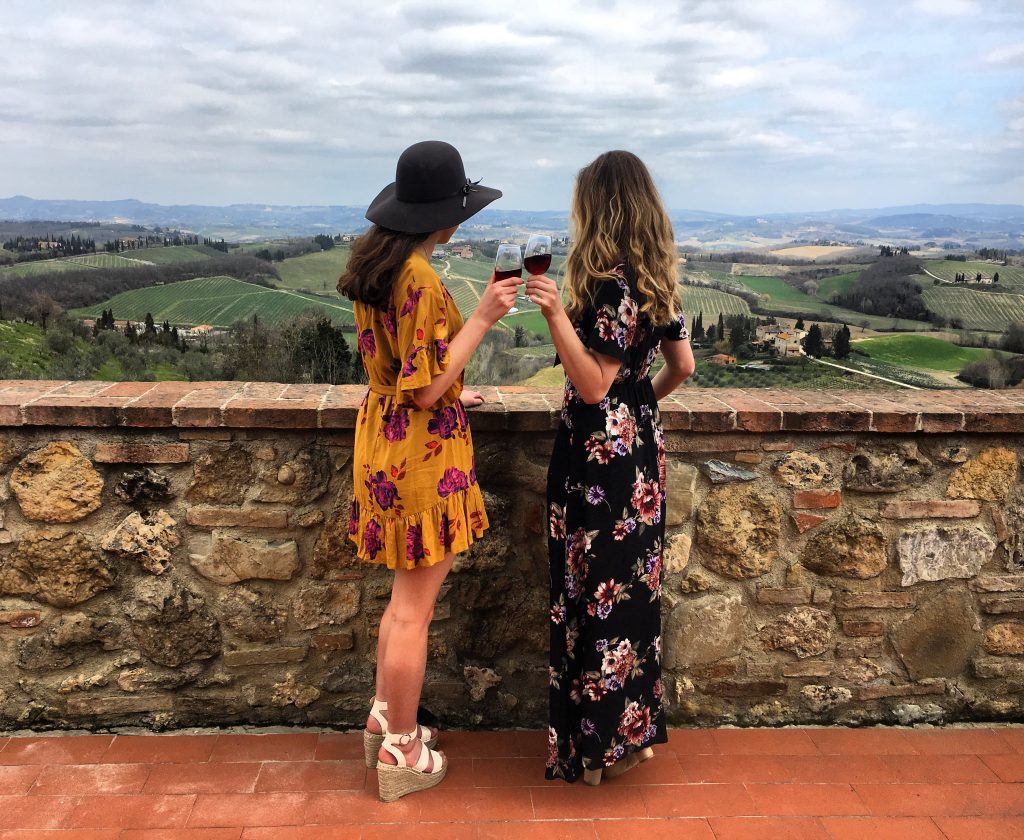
311	102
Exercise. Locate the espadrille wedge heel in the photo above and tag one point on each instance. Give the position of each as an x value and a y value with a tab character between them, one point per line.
372	741
397	780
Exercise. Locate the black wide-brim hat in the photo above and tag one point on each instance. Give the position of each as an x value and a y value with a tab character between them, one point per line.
430	191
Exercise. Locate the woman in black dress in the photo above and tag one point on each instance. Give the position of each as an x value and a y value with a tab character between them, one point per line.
606	483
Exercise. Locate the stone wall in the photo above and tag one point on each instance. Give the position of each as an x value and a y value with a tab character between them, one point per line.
174	554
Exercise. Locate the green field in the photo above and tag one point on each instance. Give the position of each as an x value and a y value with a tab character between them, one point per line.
218	301
710	302
173	254
30	269
976	310
23	348
920	351
318	272
1010	276
836	284
105	260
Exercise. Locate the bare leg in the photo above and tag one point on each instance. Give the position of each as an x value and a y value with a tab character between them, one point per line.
383	633
405	654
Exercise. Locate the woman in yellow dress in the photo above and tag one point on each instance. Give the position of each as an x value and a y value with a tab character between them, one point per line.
416	499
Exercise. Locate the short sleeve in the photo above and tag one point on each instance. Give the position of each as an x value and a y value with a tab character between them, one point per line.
676	329
422	333
615	315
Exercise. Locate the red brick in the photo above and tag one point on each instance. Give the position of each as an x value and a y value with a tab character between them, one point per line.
1001	604
787	595
264	656
980	828
806	521
745	688
798	799
931	509
212	516
810	668
760	828
863	628
74	411
205	434
817	499
748	457
333	641
19	618
882	828
894	422
936	800
874	600
141	453
925	687
778	446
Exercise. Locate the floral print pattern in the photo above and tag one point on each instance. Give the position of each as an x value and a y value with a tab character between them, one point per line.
606	513
416	496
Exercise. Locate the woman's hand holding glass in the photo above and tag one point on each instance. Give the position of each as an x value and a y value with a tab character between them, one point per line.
544	292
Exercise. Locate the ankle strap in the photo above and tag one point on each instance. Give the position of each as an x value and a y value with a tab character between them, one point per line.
375	712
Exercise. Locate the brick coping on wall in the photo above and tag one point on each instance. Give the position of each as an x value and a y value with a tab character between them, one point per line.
262	405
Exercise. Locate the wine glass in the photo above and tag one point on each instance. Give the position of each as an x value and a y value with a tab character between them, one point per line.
538	254
508	263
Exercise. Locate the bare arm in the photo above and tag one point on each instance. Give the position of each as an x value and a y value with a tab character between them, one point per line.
494	304
679	366
591	373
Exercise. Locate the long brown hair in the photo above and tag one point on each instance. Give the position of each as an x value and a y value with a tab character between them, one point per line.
617	216
373	266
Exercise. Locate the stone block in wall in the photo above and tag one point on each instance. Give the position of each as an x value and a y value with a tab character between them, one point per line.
149	540
319	604
342	640
899	468
677	553
234	559
56	483
824	698
930	509
748	457
804	631
1006	639
143	487
738	530
141	453
995	668
221	477
852	547
55	565
874	600
721	472
998	583
20	619
705	630
172	624
870	647
940	638
211	516
942	553
801	470
989	475
1014	539
253	616
745	688
918	689
119	705
1001	604
681	486
300	480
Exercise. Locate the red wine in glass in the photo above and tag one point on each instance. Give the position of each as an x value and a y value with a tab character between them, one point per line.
512	272
538	263
508	262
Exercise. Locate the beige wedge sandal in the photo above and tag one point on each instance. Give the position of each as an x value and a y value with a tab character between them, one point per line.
372	741
397	780
625	764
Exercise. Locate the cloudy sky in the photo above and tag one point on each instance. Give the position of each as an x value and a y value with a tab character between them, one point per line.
740	106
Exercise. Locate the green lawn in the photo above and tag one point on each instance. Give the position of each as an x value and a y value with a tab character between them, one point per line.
920	351
318	272
173	254
29	269
219	301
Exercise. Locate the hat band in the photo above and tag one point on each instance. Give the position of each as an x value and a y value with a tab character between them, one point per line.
464	191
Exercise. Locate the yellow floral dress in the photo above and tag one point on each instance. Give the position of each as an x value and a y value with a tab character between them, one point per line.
416	496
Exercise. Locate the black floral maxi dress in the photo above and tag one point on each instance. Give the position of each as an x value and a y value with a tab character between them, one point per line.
606	507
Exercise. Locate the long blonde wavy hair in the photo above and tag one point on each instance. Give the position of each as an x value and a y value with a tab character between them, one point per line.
617	216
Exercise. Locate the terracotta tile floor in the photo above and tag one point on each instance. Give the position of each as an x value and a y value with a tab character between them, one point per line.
833	784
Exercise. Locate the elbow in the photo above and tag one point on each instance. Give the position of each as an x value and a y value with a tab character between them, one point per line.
593	396
422	400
